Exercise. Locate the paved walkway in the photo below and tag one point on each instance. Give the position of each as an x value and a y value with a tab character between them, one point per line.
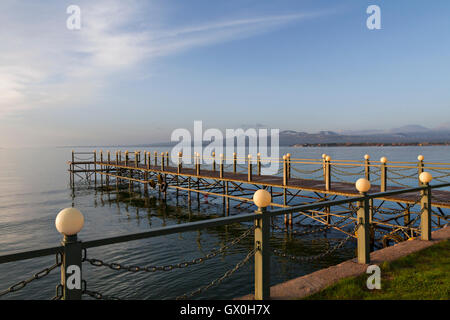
306	285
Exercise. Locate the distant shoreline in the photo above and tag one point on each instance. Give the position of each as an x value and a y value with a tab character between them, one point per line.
368	144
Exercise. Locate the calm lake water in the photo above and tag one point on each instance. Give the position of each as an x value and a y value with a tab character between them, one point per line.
34	187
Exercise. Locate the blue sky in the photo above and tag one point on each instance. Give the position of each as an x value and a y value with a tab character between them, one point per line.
139	69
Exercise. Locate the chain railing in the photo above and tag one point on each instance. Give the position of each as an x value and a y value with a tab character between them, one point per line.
132	268
329	251
395	173
73	252
38	275
220	279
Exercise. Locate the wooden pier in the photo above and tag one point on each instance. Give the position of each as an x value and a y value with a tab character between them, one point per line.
298	181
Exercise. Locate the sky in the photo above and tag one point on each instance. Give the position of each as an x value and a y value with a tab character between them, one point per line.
137	70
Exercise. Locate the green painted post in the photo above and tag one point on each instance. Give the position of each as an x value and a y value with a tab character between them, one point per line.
425	217
117	170
262	256
420	168
108	168
69	222
197	165
101	168
95	167
72	169
221	166
383	173
249	175
71	268
363	231
367	166
180	163
288	161
145	159
259	163
327	173
324	166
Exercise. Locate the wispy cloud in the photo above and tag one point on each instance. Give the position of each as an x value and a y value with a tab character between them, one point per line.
46	65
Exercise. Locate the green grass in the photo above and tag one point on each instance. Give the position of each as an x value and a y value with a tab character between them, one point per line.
421	275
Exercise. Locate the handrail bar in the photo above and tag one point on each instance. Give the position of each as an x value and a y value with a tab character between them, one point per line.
25	255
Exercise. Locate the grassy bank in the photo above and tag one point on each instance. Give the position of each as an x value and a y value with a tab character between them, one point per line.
421	275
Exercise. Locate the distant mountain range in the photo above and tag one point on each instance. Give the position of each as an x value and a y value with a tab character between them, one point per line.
406	135
410	134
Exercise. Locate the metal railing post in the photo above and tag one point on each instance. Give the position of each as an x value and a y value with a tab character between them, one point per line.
258	159
180	162
420	169
234	162
95	167
288	161
221	166
327	173
72	169
425	217
262	255
167	158
367	166
285	174
249	175
71	268
363	231
162	161
156	158
101	168
197	164
214	161
108	168
383	174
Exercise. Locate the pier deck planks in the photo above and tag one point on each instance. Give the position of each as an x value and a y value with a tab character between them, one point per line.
440	198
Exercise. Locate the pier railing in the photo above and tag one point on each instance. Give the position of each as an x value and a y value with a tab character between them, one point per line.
73	252
385	173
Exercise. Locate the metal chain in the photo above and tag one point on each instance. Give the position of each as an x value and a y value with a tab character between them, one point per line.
39	275
213	253
298	233
95	294
306	171
412	175
339	179
334	169
339	245
59	292
219	280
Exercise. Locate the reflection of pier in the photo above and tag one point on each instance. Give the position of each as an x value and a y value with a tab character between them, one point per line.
298	181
